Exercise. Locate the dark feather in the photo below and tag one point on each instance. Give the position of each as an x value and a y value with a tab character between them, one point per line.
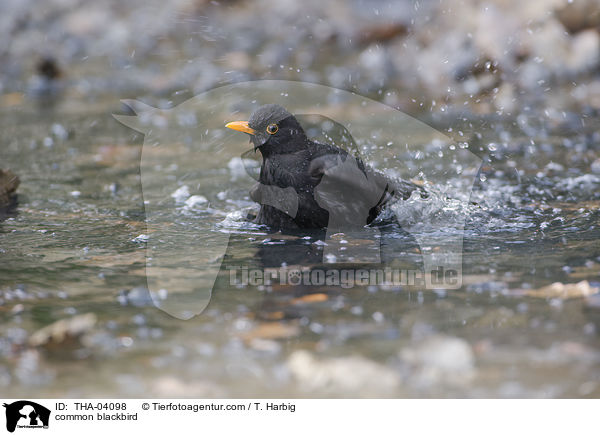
324	177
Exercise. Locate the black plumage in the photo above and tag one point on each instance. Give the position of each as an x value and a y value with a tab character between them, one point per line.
351	190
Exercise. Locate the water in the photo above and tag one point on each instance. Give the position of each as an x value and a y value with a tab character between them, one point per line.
77	245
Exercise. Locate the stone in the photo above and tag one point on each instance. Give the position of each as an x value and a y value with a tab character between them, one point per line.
8	186
63	330
351	374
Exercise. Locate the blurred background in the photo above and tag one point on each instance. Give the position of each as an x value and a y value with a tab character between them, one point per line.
502	56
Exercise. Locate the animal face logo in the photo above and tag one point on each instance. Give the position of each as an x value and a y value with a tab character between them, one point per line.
26	414
187	147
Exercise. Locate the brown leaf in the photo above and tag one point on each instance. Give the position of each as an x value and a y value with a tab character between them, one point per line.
273	330
311	298
383	33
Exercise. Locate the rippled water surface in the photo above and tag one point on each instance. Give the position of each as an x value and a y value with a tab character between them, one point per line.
76	244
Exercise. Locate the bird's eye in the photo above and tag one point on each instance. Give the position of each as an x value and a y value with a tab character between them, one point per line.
272	128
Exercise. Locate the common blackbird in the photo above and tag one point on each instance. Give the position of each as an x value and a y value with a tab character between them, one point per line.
302	183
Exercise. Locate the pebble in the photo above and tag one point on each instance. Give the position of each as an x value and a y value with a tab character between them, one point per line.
8	185
577	15
142	238
593	302
564	291
63	329
439	359
195	200
265	346
29	371
138	297
354	374
181	194
60	132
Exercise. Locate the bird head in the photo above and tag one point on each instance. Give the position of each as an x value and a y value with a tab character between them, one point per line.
272	130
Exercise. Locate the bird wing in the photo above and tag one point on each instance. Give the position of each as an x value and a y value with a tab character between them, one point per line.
345	184
393	188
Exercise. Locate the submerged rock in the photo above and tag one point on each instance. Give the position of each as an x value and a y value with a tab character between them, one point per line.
181	194
560	290
354	374
63	330
579	15
8	186
195	200
137	297
439	359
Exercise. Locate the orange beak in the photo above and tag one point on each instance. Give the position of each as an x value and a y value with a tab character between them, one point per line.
241	126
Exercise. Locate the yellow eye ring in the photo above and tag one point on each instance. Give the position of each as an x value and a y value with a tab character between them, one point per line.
272	128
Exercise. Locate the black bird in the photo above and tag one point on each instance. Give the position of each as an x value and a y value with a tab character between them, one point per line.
328	183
